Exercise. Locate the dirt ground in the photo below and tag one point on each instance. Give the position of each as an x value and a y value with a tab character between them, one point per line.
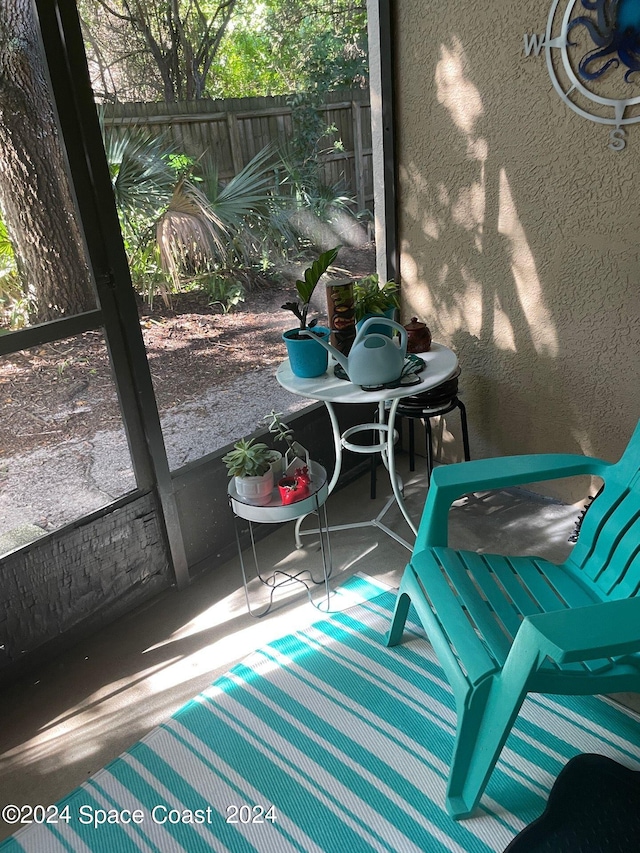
63	451
64	391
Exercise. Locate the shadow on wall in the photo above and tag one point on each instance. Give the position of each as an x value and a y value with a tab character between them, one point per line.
475	279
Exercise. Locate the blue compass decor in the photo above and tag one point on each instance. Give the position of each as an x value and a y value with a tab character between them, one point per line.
592	50
615	32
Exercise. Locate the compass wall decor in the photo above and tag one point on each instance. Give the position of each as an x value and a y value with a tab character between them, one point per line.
592	50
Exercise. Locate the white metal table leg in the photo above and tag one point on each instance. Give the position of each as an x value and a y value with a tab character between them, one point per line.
337	446
396	483
385	446
280	577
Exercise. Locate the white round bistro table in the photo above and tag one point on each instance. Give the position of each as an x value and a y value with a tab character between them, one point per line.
440	364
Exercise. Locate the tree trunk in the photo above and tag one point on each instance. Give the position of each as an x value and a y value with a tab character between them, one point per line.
35	196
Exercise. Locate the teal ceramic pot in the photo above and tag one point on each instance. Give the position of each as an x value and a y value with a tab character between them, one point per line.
307	357
390	314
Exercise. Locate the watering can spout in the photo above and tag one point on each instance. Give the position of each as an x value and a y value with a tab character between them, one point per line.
339	357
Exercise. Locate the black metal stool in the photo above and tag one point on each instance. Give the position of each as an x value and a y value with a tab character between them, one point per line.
430	404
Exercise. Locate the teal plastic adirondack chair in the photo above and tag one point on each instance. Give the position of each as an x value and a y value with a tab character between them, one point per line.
506	626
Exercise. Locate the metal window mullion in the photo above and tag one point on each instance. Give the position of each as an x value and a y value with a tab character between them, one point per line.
54	330
64	51
381	68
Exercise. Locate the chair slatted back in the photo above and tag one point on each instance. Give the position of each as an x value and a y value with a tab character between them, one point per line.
608	547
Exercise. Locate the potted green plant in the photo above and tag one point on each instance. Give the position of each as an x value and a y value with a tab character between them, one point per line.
306	357
296	454
372	298
249	462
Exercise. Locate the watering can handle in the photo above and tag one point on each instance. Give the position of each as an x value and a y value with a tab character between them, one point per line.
378	321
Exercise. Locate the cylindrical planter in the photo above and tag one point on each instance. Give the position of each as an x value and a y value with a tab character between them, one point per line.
276	465
341	314
255	490
307	357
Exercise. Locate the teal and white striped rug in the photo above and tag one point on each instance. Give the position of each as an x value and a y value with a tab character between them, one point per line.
325	740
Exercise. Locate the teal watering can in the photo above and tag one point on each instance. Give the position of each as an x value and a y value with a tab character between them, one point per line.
374	359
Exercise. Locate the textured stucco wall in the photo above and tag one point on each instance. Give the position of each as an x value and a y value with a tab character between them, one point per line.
518	233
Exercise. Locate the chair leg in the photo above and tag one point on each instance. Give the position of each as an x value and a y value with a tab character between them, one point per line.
427	428
486	713
401	610
465	430
483	728
485	717
460	800
412	446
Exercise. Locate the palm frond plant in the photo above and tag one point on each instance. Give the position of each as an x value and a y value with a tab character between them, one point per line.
142	177
143	181
182	226
249	193
7	258
15	307
224	230
189	233
250	205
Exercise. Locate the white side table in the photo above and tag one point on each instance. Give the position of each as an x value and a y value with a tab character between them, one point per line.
440	365
276	513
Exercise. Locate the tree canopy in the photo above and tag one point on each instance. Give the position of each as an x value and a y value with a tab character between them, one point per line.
151	49
147	50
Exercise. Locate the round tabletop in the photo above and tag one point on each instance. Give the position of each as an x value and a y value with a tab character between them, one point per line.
275	512
440	365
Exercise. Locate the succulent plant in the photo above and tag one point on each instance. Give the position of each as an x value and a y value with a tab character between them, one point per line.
278	428
249	458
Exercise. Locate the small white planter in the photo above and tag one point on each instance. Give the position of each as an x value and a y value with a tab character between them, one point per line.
255	490
276	465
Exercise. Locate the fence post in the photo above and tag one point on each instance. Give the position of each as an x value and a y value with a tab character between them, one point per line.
357	153
234	142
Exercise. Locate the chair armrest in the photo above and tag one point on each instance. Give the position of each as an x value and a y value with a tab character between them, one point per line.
505	471
450	482
602	630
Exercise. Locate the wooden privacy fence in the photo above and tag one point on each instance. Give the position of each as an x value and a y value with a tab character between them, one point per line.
233	131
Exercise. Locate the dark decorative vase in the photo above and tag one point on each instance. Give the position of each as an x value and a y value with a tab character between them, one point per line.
341	314
418	336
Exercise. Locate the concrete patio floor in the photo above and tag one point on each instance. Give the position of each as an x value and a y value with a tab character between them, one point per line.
79	711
